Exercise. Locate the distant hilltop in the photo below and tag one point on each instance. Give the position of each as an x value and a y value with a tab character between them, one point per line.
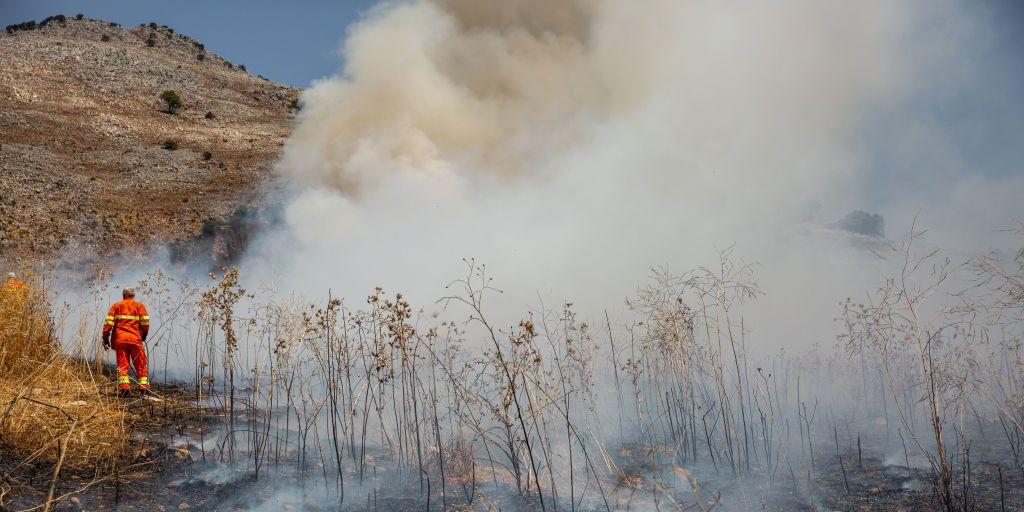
97	161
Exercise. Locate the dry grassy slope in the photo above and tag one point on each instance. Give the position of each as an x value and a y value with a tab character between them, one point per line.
82	169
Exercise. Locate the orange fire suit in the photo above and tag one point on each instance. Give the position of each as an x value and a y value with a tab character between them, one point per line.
14	285
128	324
15	293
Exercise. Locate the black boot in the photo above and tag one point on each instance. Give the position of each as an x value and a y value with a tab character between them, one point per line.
143	392
124	393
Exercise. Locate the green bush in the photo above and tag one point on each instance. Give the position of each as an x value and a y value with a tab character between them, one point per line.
861	223
210	227
60	18
170	145
172	100
26	25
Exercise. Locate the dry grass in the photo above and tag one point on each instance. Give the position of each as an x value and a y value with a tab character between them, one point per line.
57	414
41	406
25	329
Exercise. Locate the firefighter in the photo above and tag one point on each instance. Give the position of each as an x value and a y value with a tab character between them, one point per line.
126	328
14	295
13	284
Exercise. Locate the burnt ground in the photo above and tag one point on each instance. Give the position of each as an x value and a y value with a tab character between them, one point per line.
181	465
875	485
879	477
181	483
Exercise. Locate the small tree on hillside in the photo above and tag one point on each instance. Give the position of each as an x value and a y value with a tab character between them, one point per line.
172	100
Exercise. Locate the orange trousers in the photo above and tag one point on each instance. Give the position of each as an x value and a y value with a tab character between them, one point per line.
137	354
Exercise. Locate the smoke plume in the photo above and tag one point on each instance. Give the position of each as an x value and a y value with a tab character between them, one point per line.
571	146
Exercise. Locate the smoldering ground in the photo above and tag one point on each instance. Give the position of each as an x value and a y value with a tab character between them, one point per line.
572	147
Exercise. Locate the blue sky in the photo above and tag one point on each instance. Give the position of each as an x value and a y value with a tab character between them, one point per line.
289	42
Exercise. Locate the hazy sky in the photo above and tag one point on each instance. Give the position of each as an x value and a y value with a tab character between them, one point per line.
290	42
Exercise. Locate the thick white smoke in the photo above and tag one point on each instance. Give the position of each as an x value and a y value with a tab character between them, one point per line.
571	146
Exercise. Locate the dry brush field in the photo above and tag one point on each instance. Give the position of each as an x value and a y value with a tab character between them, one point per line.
275	401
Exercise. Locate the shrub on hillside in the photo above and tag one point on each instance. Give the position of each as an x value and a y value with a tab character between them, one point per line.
210	227
25	25
151	42
104	38
172	100
861	223
207	155
170	145
152	25
209	115
60	18
79	16
201	57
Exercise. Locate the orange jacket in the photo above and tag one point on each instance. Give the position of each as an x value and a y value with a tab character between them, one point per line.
129	322
14	284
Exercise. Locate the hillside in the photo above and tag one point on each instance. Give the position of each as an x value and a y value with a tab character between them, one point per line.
82	132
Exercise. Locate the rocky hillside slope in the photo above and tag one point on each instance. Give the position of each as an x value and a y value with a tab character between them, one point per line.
84	172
